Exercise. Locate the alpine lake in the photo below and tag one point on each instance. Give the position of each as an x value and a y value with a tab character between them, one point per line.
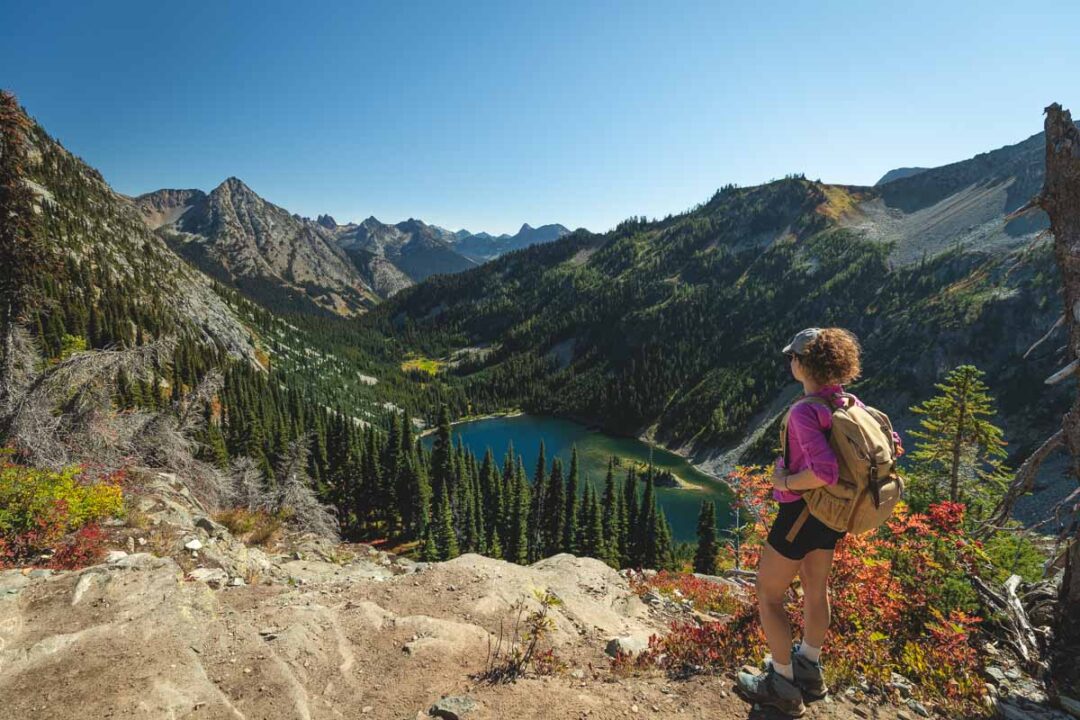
681	504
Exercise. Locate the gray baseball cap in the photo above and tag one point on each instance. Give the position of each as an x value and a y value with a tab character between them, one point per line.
801	340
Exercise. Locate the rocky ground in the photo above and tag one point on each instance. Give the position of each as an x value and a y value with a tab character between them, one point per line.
187	622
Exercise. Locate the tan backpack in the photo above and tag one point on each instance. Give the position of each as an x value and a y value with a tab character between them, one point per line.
869	486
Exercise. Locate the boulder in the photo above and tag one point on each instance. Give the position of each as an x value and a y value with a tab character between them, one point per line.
627	645
212	528
452	707
214	577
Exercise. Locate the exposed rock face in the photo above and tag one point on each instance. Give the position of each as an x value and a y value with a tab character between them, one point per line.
273	256
340	629
327	221
383	275
898	173
97	225
925	211
165	207
417	249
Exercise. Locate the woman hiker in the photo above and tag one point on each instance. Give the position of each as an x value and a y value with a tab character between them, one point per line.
822	359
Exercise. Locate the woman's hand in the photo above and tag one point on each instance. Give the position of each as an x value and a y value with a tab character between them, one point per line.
779	478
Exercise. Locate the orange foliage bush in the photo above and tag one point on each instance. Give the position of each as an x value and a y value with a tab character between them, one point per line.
901	602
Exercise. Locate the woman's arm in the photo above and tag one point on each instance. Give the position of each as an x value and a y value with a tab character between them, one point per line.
806	430
804	480
800	481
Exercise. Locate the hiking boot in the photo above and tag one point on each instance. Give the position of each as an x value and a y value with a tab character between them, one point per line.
808	676
773	690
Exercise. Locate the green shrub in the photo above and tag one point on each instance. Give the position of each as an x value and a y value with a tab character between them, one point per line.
43	511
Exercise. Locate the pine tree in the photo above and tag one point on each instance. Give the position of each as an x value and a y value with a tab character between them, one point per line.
959	446
442	528
612	505
491	497
555	519
517	549
592	535
429	552
629	545
572	520
645	531
705	557
391	470
537	508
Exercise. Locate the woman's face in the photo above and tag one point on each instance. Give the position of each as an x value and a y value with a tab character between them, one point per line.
796	367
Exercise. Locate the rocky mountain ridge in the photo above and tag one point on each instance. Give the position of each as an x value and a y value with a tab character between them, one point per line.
419	250
94	227
236	236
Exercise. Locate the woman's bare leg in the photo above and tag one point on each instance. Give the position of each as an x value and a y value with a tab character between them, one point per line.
775	573
814	575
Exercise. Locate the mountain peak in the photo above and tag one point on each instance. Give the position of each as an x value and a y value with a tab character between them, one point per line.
327	221
232	185
525	227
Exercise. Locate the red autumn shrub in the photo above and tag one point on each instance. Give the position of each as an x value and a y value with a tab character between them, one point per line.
705	596
46	514
83	547
901	599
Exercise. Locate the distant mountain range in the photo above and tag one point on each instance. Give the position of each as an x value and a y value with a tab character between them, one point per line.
235	236
483	246
285	260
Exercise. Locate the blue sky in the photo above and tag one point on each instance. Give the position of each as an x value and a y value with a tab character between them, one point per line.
486	115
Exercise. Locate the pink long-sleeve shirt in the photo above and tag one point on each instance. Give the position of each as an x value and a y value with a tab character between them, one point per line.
808	443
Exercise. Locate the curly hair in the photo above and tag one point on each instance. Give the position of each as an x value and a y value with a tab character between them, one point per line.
832	357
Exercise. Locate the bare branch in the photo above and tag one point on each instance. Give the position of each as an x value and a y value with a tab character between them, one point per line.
1044	338
1063	373
1023	483
1030	206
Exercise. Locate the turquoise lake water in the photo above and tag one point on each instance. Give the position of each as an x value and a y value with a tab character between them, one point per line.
594	448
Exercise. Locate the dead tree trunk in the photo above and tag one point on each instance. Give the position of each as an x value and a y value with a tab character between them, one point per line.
1060	198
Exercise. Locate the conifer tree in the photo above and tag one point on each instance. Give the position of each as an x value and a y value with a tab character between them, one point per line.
592	535
612	509
705	556
537	508
555	520
491	496
631	504
646	532
517	546
442	530
391	470
571	529
429	552
960	448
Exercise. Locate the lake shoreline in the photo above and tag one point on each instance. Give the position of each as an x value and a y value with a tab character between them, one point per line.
681	485
593	426
475	418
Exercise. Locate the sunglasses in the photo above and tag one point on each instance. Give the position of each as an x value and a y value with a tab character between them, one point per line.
790	356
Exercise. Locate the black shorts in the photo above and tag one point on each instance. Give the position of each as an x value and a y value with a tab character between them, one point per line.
813	535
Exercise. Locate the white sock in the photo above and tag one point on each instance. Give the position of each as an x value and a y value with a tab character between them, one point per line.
784	670
809	652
